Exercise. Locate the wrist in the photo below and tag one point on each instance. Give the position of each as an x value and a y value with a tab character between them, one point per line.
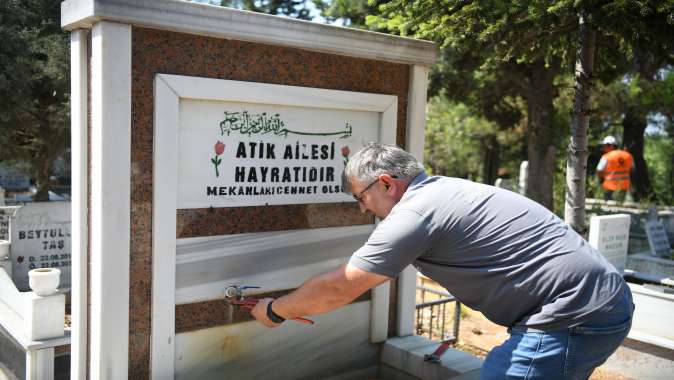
272	315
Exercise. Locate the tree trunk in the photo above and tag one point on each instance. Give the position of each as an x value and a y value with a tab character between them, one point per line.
491	160
576	164
635	122
43	158
540	138
42	181
634	126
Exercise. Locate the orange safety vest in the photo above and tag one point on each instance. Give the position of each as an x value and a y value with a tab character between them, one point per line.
617	171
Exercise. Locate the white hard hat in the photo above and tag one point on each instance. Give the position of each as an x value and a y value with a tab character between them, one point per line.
609	140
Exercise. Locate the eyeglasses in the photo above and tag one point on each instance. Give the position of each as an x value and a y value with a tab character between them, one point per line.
359	197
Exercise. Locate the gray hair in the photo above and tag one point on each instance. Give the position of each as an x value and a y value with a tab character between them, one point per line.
375	159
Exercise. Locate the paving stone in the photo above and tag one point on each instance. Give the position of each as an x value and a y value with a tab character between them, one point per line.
407	355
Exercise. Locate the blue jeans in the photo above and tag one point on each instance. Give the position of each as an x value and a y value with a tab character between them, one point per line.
571	353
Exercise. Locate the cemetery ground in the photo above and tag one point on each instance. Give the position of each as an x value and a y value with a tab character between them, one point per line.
478	335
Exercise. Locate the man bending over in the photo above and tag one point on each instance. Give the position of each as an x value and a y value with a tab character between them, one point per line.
566	308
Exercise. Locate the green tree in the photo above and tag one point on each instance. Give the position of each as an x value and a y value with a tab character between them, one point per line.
643	30
618	104
34	87
522	46
289	8
634	30
537	40
492	92
576	169
457	141
351	13
631	29
659	154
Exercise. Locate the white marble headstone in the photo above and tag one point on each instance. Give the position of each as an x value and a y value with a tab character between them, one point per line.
40	238
505	183
657	238
6	212
609	234
524	177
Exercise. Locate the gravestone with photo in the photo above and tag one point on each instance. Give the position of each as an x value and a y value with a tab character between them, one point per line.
609	234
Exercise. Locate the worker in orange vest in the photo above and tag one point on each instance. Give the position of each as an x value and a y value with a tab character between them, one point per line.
614	168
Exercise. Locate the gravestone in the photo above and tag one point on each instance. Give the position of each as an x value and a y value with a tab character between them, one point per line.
657	238
209	145
2	196
506	183
5	260
523	177
609	234
6	213
40	238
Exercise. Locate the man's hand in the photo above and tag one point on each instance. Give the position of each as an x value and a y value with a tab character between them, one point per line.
259	312
320	294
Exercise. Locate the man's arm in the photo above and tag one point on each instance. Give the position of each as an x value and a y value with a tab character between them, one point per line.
320	294
601	166
600	175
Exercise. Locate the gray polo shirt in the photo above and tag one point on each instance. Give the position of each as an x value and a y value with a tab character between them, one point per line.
498	252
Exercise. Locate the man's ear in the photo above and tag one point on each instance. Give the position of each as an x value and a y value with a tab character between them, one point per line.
386	179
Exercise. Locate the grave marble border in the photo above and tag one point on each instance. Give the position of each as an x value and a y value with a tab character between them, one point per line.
169	89
416	124
197	39
221	22
274	260
110	207
80	156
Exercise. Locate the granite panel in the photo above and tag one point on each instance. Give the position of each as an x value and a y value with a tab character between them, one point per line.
156	51
59	350
393	308
139	355
223	221
201	315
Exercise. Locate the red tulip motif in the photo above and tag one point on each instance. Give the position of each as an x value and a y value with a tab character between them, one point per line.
219	149
345	153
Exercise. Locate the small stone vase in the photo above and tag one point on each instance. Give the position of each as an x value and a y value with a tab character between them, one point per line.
44	281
